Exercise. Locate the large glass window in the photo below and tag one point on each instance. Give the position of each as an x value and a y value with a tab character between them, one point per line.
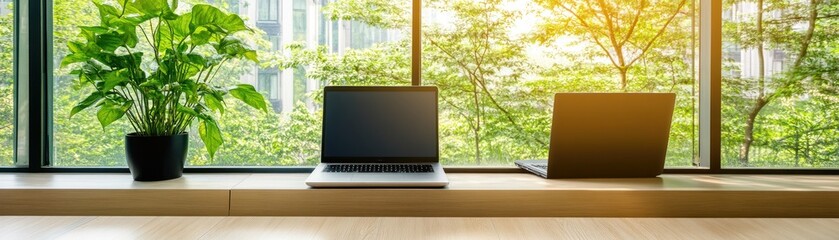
499	62
780	106
292	76
7	78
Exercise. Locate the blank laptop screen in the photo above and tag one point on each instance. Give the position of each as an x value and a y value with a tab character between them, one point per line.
379	125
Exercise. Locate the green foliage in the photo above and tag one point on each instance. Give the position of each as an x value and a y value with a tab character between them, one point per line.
521	71
785	117
6	91
377	13
161	82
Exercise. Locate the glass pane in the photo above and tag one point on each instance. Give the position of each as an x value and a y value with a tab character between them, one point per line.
287	135
300	88
780	106
7	78
498	64
276	44
264	7
300	21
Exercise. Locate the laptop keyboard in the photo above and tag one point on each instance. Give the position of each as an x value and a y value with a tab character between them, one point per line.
542	166
384	168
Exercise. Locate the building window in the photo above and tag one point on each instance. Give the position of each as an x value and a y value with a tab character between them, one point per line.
300	86
322	29
276	43
299	22
269	10
335	36
268	84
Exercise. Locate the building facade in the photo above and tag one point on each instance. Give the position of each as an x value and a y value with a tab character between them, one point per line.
289	21
746	59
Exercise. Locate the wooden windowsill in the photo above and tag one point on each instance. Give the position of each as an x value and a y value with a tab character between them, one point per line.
469	194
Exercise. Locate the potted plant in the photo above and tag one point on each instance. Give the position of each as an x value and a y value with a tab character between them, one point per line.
156	67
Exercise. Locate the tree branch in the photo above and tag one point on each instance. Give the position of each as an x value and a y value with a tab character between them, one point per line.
659	33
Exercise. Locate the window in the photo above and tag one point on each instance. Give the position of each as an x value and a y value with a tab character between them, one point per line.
498	63
267	84
782	108
233	6
322	30
300	86
276	43
269	10
229	5
300	22
335	37
287	136
7	84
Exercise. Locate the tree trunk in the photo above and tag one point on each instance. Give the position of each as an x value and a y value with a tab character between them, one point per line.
623	78
760	101
477	129
796	151
748	136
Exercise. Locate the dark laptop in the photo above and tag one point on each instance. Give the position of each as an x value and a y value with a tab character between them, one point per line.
607	135
379	137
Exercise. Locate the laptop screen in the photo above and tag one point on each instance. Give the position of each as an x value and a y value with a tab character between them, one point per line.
380	124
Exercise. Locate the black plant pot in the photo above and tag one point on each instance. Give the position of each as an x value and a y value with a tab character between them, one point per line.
156	158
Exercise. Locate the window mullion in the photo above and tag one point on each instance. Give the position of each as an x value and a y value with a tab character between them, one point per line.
710	78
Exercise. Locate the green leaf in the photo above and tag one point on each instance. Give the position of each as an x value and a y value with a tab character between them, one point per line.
197	112
248	94
73	58
251	55
187	110
93	98
196	59
214	103
75	47
210	135
200	37
151	7
113	79
110	112
235	48
109	42
215	20
106	12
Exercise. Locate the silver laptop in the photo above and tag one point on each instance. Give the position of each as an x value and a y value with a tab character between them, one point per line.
607	135
379	137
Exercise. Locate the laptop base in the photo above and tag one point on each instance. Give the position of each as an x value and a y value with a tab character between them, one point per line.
320	178
538	167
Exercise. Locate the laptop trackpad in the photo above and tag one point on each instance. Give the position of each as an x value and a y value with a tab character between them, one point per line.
378	177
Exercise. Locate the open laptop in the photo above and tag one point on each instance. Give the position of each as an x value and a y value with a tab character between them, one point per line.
379	137
607	135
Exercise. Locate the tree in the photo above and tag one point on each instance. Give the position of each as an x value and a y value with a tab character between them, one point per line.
7	91
759	32
624	30
475	65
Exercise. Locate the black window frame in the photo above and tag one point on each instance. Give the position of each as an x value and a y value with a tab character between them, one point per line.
38	95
